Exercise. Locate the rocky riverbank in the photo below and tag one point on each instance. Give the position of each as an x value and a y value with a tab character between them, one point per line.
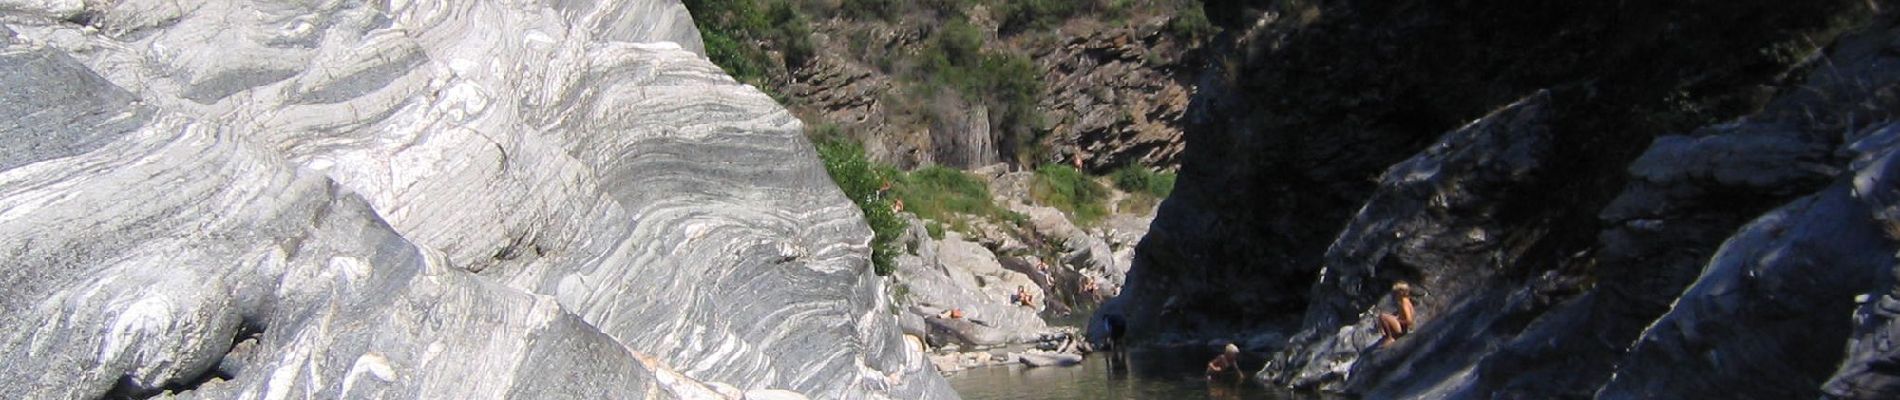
958	285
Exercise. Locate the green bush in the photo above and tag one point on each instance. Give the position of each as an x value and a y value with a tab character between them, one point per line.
1071	191
1134	178
1145	187
1191	22
734	31
742	62
934	229
869	9
793	30
861	179
946	7
939	193
1023	15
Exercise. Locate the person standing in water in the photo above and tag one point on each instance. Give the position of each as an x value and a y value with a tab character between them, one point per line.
1105	335
1395	326
1227	363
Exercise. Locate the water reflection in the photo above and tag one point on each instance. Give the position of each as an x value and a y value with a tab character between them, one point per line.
1153	374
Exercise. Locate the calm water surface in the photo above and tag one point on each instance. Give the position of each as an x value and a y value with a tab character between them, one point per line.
1153	374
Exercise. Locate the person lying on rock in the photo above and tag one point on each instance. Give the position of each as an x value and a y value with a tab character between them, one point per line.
1395	326
954	313
1226	364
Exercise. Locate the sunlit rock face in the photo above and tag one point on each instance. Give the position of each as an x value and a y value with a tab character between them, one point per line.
399	199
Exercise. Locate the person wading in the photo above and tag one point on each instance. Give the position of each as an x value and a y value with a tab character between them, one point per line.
1395	326
1106	336
1226	364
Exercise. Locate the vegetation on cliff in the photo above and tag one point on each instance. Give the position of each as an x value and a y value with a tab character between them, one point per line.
1071	191
931	64
1145	187
736	31
863	182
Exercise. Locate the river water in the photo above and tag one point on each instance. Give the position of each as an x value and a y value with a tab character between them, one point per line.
1154	374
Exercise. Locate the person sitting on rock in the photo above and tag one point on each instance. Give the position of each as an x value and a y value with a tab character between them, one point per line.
1395	326
1225	364
1023	297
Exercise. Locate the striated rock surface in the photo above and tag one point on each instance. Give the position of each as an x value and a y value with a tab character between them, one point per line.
1117	96
345	200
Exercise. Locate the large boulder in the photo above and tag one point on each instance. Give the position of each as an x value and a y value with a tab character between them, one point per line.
417	199
1437	222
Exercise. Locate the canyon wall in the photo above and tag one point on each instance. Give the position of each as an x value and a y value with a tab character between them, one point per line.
1575	190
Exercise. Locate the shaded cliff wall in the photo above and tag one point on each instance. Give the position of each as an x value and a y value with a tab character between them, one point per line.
1333	153
1289	134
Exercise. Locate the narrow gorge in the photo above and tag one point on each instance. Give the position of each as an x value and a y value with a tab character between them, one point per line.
987	199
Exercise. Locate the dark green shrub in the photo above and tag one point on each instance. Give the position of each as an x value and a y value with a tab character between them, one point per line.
793	31
1145	187
1191	22
1023	15
869	9
1134	178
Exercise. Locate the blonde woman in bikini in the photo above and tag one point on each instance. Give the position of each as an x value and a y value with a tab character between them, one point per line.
1395	326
